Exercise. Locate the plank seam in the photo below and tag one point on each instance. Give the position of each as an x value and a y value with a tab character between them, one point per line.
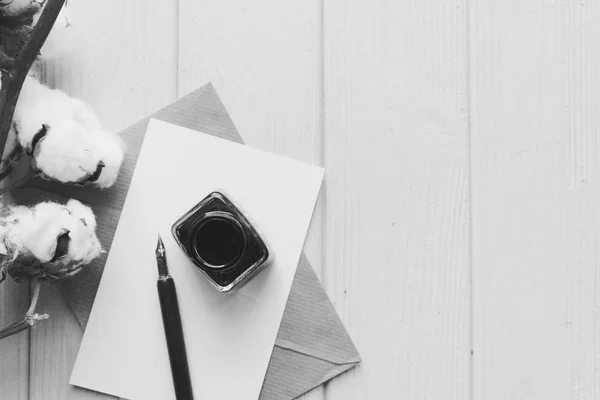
471	383
323	143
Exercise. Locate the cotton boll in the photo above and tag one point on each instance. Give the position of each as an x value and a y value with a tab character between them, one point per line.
36	229
39	104
22	215
60	39
64	153
49	241
65	137
46	227
83	243
82	212
71	154
109	148
16	213
27	119
81	223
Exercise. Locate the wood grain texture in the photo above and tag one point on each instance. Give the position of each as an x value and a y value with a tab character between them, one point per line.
124	65
54	346
382	94
14	350
264	59
397	190
124	61
536	189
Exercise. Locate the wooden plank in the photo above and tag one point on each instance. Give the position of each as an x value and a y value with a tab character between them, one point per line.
264	59
124	59
14	350
397	213
54	346
124	65
536	190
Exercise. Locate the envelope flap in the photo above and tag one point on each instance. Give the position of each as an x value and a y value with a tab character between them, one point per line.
311	324
283	380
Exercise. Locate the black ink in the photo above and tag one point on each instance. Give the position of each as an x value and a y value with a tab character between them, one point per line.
221	242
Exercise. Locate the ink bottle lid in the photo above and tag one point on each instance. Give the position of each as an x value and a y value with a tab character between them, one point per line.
221	242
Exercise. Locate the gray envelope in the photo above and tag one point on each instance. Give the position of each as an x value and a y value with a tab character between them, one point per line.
312	345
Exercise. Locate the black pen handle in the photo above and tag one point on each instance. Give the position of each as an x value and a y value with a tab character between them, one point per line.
174	335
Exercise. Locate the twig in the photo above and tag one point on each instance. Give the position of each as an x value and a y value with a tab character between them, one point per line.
13	80
35	297
31	318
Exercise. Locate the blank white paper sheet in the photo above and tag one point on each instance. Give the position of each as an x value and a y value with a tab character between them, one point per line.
229	337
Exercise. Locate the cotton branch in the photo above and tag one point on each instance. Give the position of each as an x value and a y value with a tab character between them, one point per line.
31	318
12	81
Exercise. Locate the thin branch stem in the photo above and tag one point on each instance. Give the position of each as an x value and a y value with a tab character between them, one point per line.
13	80
14	329
31	319
34	297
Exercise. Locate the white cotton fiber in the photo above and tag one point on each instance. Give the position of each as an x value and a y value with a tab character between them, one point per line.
83	114
35	231
109	148
65	153
81	211
74	144
39	104
81	223
70	153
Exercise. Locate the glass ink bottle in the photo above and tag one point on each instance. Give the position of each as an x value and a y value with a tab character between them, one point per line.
221	242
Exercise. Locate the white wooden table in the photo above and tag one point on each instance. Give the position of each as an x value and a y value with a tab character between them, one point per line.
457	232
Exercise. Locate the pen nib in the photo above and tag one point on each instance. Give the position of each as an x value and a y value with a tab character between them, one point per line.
161	258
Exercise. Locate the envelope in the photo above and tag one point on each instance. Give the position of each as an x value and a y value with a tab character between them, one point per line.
312	344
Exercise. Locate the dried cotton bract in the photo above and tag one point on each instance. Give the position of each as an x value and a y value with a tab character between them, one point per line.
19	7
48	242
16	19
65	138
27	12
